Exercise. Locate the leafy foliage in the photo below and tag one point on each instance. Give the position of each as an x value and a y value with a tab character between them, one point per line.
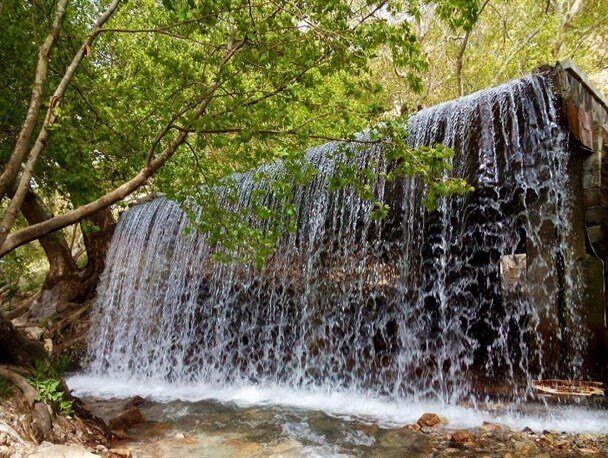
302	73
507	39
49	392
46	380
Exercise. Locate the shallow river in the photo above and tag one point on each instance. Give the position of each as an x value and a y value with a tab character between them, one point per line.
201	420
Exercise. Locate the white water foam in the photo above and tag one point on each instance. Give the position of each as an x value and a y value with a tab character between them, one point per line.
347	405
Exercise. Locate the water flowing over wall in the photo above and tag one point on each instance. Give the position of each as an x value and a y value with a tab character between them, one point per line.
412	305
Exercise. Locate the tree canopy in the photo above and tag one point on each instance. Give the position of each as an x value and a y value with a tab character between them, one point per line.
106	100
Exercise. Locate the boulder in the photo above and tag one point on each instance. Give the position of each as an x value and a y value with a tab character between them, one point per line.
429	419
48	450
491	427
127	419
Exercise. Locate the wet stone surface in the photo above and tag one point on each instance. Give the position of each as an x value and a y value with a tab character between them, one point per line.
213	429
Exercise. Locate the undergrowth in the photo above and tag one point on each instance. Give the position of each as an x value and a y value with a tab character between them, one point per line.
46	379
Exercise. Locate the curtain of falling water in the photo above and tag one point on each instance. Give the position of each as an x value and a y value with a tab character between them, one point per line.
409	306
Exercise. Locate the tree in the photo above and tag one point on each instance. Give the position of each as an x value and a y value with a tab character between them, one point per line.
507	40
236	84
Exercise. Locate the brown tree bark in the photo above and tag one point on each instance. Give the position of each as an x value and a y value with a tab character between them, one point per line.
16	348
61	263
96	242
461	50
568	12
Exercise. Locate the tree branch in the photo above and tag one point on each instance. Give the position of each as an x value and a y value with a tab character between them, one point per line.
11	170
36	231
51	115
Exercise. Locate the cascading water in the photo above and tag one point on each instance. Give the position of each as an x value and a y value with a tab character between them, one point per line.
410	307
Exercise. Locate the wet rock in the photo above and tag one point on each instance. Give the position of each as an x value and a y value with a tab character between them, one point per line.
160	426
543	442
127	419
525	447
491	427
563	445
461	437
120	434
136	401
244	447
527	430
286	446
429	420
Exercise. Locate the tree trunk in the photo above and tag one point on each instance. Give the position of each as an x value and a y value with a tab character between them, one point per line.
62	280
23	182
96	241
61	263
16	348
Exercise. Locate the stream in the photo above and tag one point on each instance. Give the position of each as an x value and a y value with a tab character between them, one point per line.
251	421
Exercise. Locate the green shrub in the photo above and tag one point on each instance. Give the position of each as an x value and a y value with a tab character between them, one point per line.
56	367
49	392
46	380
61	364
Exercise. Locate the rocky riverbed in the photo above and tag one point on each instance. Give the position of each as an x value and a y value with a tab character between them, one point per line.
214	429
208	428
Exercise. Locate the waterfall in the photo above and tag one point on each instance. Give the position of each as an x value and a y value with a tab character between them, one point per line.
415	305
